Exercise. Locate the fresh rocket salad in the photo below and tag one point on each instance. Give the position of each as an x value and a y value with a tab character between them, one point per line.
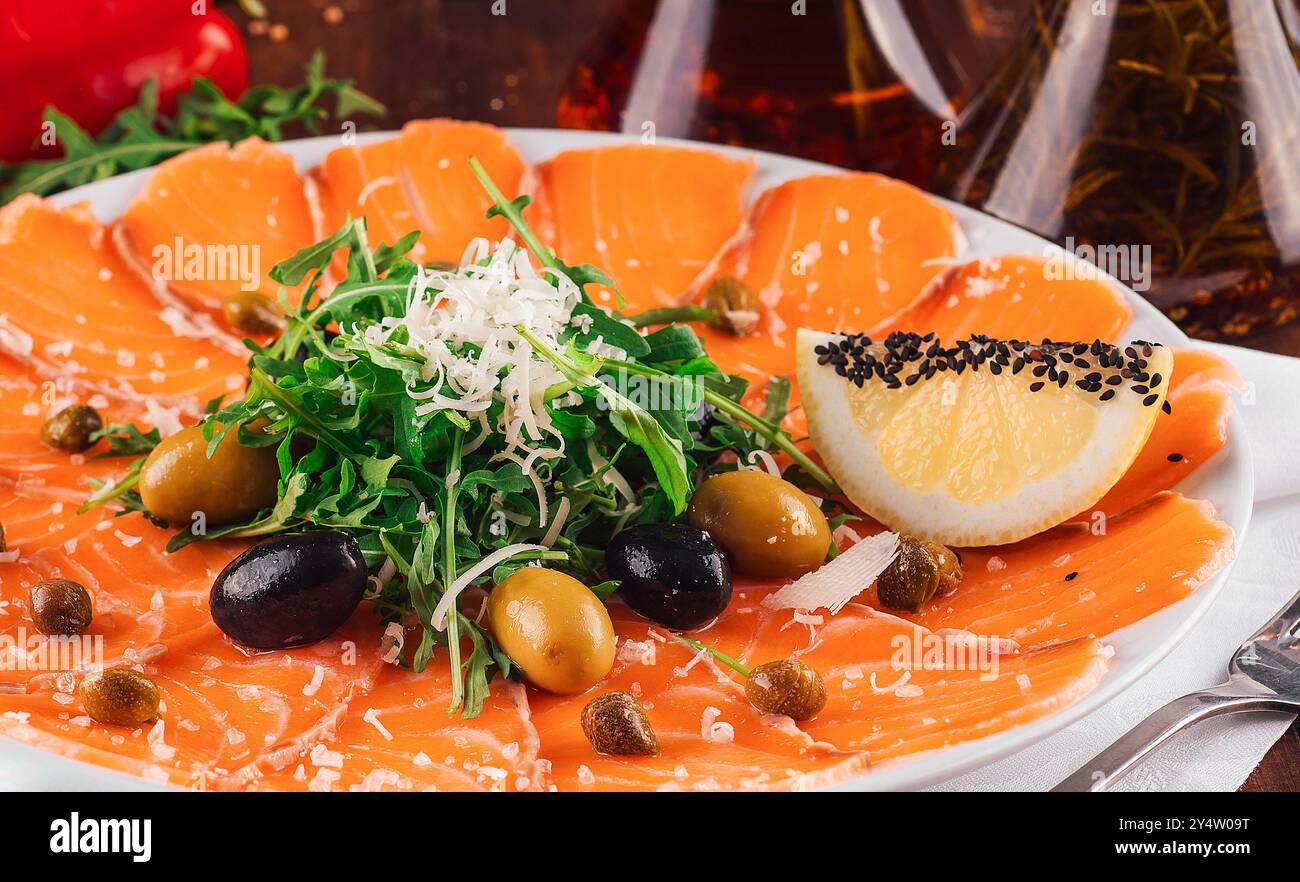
460	423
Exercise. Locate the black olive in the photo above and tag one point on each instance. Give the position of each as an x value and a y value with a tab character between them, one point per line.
290	590
670	573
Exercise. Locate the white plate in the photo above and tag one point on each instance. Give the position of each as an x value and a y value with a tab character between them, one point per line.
1226	480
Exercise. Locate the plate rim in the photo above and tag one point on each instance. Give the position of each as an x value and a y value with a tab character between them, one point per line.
38	768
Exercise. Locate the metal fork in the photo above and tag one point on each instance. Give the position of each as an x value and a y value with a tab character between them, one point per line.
1264	675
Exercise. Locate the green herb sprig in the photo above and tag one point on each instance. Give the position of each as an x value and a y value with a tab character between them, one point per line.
140	136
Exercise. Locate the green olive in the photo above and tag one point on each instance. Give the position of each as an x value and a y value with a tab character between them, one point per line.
252	313
60	607
769	527
734	304
554	628
787	686
120	697
178	479
616	724
921	570
71	428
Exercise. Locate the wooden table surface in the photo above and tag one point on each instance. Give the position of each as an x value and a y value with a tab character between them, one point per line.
426	58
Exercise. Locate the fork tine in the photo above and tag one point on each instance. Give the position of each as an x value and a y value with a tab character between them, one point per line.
1282	623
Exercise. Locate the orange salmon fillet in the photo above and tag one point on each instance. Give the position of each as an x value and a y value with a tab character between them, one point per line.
894	688
33	466
710	736
399	737
1134	565
244	205
229	716
651	216
1200	395
419	180
1011	297
834	253
71	309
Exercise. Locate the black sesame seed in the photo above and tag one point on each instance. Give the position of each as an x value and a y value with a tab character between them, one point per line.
1175	457
1071	576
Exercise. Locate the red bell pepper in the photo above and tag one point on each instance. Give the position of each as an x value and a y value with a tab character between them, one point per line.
90	59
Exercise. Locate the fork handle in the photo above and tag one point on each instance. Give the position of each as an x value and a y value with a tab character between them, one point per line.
1121	757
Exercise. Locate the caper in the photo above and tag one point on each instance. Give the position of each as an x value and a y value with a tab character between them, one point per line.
921	570
120	697
60	607
786	686
179	479
733	303
769	527
71	428
616	724
252	313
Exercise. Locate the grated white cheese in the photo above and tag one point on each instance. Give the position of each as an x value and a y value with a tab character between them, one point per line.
465	579
371	716
317	677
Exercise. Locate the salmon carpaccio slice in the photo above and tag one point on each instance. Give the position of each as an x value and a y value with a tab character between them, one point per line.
229	716
1013	297
710	736
245	205
33	466
71	309
1200	398
830	252
1086	579
895	688
651	216
400	737
419	180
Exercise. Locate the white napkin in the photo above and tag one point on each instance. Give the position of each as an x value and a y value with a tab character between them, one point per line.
1218	754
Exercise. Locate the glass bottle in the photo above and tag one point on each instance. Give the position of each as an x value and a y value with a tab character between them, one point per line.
1160	138
858	83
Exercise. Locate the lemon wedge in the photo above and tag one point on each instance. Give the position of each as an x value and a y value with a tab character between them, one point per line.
977	441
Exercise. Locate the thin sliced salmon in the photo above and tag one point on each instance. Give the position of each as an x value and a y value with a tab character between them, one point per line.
651	216
830	252
894	688
30	464
1200	396
230	716
710	736
142	596
1014	297
1087	580
419	180
71	309
212	222
399	737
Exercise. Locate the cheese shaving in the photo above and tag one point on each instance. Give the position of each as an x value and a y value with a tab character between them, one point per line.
466	578
834	584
